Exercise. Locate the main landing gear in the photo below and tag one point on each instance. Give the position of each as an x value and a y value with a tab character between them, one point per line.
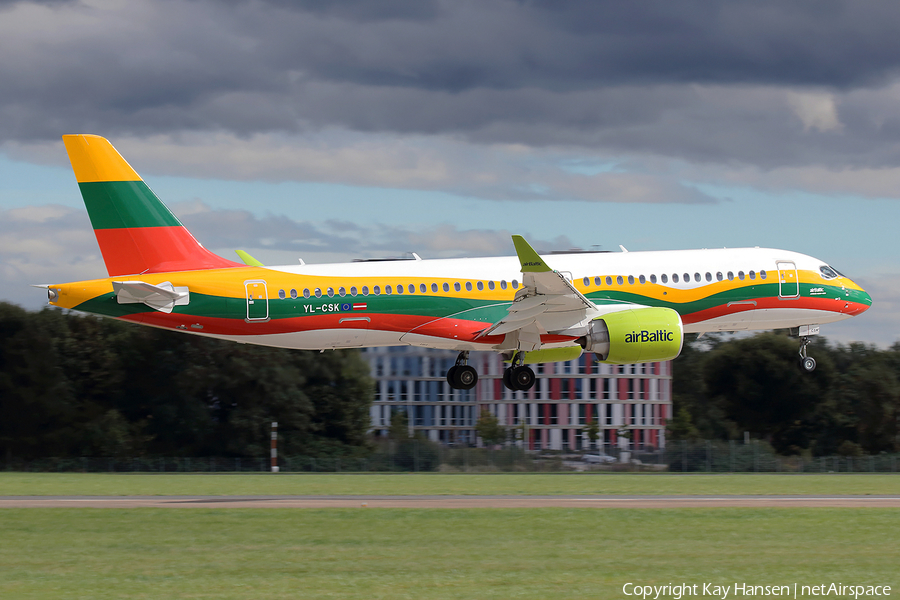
518	376
807	362
461	376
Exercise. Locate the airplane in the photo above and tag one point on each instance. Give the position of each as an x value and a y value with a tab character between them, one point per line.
624	307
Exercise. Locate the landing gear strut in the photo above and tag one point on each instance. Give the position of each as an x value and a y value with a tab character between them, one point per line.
461	376
518	376
807	362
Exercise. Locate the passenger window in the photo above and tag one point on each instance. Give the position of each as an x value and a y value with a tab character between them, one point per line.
318	293
342	292
468	286
515	284
598	280
365	290
331	292
387	290
294	294
446	287
377	290
697	277
412	289
424	289
434	287
719	276
502	284
674	277
490	285
664	278
642	279
456	286
752	274
587	282
687	277
608	280
399	288
730	276
762	274
653	279
708	276
741	275
619	280
306	292
631	279
480	286
281	294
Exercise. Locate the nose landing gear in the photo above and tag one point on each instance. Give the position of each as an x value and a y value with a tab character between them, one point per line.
461	376
807	362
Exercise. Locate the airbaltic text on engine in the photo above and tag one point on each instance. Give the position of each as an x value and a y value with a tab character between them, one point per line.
660	335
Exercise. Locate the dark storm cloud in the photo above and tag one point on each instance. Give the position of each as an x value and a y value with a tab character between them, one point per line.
700	81
238	229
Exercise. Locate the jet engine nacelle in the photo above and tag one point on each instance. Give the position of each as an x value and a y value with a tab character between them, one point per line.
635	335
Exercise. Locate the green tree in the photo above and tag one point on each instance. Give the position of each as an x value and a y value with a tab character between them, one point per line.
592	430
489	429
756	382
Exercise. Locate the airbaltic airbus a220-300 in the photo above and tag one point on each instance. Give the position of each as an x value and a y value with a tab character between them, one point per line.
625	307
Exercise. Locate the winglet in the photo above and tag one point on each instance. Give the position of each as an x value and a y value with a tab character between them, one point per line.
248	260
530	260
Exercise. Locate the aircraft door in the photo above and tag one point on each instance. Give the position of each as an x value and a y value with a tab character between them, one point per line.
788	282
257	300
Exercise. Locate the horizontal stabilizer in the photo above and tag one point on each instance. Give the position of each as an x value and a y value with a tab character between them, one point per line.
162	297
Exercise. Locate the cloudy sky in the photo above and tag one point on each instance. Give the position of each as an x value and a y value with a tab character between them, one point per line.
331	131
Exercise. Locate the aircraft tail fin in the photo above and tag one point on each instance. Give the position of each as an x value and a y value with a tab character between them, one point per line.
137	233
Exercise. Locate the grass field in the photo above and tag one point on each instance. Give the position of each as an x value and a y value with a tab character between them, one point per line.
432	554
123	484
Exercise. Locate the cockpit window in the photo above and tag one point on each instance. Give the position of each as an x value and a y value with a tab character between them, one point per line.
829	272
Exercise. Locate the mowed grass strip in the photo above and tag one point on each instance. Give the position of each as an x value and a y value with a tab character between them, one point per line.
403	484
433	554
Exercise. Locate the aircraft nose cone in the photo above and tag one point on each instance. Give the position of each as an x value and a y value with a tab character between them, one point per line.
857	302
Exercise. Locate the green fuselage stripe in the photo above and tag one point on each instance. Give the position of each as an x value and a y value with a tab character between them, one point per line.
124	204
473	309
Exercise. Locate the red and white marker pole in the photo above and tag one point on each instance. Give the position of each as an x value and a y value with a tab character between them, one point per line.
274	446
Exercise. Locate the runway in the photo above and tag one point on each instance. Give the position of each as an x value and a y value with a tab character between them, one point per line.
787	501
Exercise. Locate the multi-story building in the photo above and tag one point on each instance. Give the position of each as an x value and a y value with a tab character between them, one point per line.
631	403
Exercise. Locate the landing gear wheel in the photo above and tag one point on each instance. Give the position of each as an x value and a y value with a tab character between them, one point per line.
807	362
461	376
507	379
466	377
522	378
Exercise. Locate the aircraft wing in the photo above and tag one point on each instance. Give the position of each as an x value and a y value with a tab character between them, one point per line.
547	303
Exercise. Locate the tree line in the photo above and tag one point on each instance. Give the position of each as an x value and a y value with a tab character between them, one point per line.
850	405
74	385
